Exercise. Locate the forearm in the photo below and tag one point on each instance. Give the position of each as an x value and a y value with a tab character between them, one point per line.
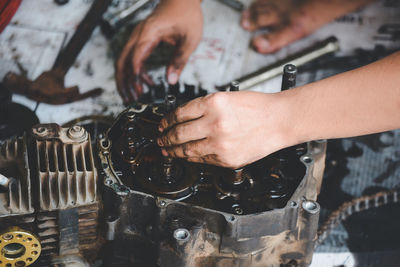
358	102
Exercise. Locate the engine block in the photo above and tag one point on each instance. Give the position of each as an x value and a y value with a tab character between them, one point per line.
65	202
48	189
175	213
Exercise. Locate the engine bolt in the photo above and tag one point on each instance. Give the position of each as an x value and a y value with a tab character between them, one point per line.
234	86
170	103
130	115
8	236
238	211
41	131
76	132
289	77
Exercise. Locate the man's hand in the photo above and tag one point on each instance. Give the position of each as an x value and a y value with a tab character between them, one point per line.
177	22
229	129
290	20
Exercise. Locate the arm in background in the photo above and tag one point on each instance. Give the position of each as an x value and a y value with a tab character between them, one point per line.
177	22
291	20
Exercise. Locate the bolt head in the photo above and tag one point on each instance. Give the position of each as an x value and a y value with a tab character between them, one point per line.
130	115
41	131
76	132
7	236
76	128
238	210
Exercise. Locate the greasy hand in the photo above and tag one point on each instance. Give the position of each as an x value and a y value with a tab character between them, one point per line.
229	129
290	20
177	22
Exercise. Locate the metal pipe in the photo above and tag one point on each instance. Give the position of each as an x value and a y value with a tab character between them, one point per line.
320	49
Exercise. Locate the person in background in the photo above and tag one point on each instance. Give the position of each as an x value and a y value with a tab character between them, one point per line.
214	129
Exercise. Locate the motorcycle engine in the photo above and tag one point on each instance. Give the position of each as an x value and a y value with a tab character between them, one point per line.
67	202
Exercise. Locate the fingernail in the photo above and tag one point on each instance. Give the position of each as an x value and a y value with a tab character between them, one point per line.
245	24
164	152
262	43
159	142
172	78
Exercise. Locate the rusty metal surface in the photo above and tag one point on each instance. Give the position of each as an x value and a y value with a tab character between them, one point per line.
15	185
144	227
62	206
49	86
222	220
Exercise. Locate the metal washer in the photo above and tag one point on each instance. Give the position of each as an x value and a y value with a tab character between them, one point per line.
30	248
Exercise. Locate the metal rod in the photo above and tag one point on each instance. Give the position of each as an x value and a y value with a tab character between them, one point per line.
320	49
234	4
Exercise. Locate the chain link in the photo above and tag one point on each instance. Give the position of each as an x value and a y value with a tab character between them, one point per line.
354	206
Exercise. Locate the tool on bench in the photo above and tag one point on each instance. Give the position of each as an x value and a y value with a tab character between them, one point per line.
112	22
49	86
320	49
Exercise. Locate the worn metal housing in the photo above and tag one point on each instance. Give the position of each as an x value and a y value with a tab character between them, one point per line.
49	188
156	230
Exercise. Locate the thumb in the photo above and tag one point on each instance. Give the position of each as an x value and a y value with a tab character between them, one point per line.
275	40
177	63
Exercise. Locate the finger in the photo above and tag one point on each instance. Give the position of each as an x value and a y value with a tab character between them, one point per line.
245	20
137	85
142	51
121	73
146	78
190	111
208	159
193	149
120	87
129	83
179	61
272	42
124	68
184	132
259	17
196	160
